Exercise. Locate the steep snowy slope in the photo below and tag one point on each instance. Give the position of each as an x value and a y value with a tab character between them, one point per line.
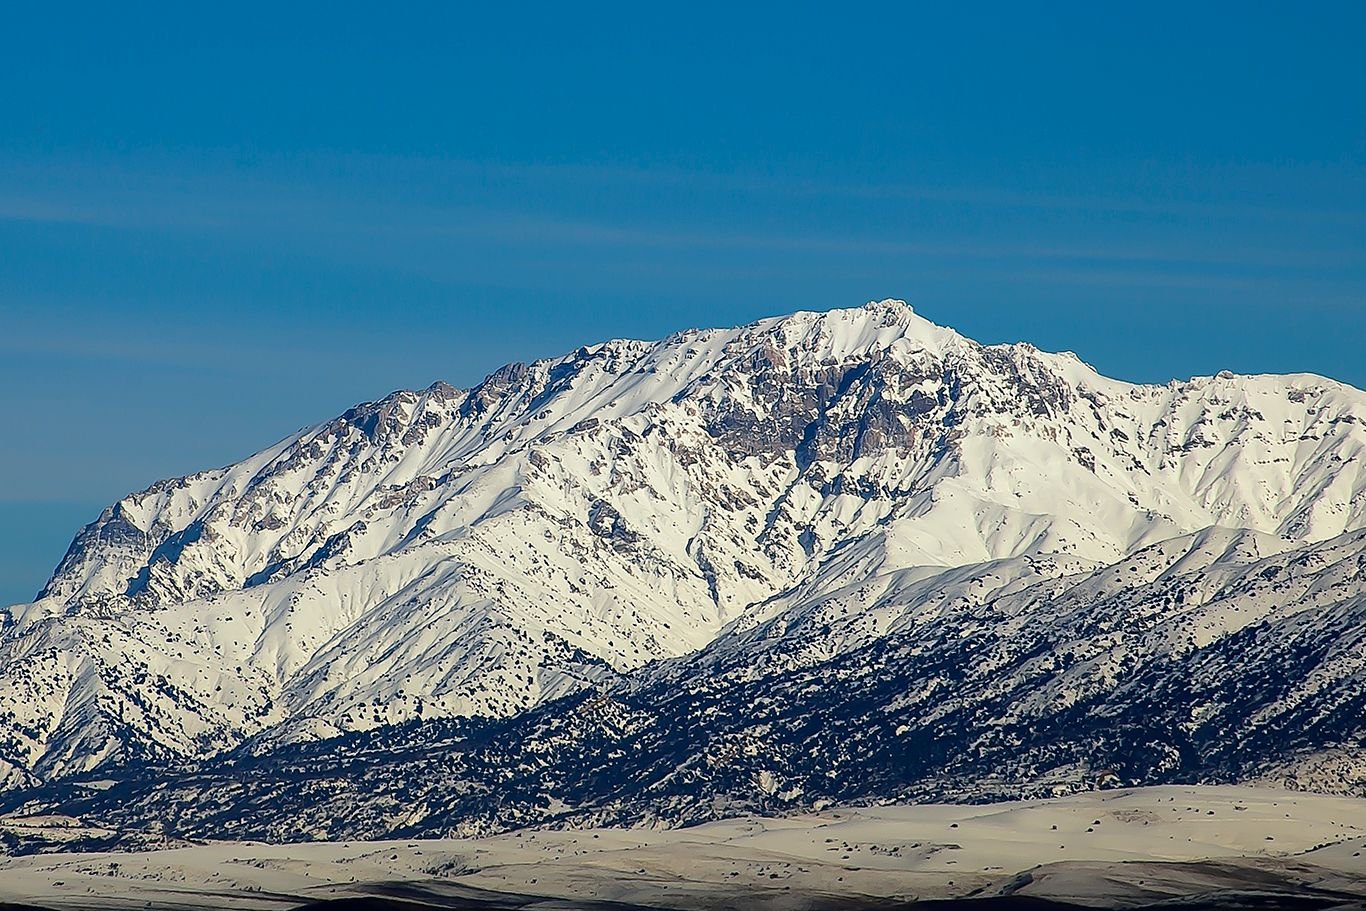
1198	659
445	552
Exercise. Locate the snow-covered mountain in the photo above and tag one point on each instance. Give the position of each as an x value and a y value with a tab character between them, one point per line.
788	495
1214	656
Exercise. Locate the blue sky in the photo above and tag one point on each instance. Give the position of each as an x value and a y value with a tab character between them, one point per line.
220	224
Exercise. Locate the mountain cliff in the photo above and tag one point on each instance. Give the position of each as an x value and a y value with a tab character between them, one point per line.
794	502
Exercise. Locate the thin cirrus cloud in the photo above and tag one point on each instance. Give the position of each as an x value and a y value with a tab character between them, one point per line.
277	208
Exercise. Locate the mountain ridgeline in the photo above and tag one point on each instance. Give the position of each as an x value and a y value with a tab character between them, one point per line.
824	557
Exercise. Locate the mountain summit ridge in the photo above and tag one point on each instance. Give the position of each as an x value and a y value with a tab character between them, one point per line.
448	552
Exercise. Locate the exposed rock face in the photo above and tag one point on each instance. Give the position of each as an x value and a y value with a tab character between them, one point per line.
448	553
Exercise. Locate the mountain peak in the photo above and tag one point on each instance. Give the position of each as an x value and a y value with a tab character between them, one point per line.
849	333
891	308
566	521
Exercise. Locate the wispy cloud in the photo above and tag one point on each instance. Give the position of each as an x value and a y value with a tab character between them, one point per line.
228	203
1154	196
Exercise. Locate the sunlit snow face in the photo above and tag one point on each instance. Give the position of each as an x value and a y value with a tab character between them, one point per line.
820	483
